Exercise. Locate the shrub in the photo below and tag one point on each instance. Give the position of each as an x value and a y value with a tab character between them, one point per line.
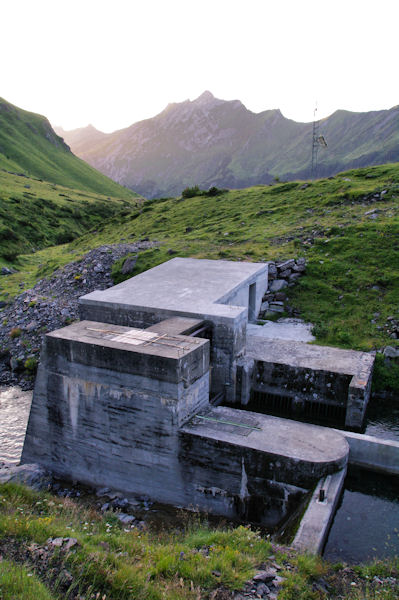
214	191
386	374
31	364
15	332
64	237
191	192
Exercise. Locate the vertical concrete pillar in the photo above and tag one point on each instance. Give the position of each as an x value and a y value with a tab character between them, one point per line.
358	397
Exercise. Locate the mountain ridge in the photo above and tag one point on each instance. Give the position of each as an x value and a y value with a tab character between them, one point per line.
29	144
212	142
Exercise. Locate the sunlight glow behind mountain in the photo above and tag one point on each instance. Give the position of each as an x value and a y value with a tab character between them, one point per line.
113	64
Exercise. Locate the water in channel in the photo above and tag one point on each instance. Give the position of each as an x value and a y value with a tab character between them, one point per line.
366	524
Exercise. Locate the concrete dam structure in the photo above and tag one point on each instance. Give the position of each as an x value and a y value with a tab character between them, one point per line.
146	395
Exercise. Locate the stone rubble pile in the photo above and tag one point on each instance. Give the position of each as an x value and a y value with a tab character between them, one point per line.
53	303
281	275
265	584
392	327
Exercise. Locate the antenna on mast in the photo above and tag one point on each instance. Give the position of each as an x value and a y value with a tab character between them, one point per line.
317	141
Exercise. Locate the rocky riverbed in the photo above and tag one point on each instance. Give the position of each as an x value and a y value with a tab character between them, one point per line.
53	303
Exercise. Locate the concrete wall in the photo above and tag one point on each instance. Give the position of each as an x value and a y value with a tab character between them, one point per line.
107	411
212	291
240	295
316	522
95	418
228	335
301	383
373	453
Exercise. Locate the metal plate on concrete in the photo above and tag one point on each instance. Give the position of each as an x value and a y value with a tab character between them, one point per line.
243	425
135	337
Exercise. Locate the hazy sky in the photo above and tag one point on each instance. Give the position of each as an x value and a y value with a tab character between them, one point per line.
114	62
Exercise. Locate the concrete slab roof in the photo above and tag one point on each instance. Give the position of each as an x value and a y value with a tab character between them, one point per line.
310	356
202	286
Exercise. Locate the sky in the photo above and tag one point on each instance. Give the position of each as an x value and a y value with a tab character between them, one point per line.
112	63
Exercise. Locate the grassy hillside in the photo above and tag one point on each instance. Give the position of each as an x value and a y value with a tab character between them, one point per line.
347	227
106	560
28	144
35	214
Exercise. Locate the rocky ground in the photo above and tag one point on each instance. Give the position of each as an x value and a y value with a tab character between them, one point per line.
281	276
53	303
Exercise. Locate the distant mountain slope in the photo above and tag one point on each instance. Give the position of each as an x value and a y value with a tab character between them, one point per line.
215	142
29	144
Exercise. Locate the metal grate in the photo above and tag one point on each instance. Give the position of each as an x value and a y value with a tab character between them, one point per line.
282	405
140	337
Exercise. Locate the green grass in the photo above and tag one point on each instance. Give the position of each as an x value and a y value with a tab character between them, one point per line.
111	561
348	254
19	583
29	145
36	214
352	273
122	563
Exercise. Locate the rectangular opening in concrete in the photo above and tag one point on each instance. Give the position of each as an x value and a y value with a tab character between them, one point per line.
252	302
284	405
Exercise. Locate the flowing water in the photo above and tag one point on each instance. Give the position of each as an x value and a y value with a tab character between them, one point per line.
14	413
383	419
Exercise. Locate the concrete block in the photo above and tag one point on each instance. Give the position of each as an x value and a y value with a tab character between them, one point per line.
315	524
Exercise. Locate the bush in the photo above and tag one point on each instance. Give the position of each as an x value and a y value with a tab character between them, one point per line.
214	191
31	364
64	237
386	375
191	192
15	332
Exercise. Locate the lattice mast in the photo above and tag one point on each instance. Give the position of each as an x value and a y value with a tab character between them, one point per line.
317	141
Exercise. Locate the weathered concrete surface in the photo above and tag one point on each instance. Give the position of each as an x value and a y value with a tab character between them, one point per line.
376	454
313	373
220	292
122	407
106	410
254	466
128	350
310	356
315	524
177	326
286	329
187	284
290	451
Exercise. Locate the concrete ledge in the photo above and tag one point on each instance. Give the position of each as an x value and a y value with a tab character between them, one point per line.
312	533
373	453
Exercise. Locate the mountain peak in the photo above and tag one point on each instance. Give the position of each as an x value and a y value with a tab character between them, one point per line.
205	98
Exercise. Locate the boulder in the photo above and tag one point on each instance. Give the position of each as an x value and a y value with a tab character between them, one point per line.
33	475
277	285
299	268
7	271
391	352
288	264
128	265
272	269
